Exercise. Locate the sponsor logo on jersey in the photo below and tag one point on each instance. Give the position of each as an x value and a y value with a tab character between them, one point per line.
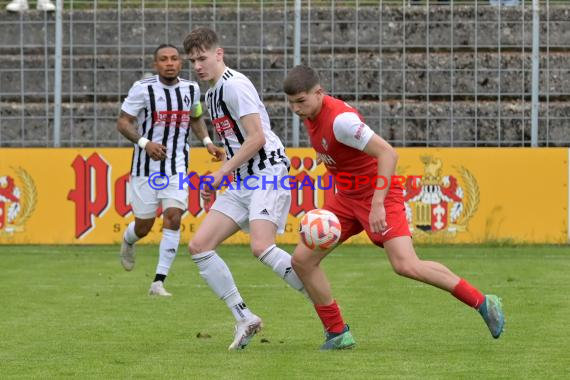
223	125
172	117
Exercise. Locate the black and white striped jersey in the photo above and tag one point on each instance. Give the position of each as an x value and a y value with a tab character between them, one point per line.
231	98
163	114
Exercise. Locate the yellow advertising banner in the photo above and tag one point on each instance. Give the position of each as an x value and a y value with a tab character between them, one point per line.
465	195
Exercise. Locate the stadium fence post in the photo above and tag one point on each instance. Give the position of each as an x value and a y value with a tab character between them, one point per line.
535	72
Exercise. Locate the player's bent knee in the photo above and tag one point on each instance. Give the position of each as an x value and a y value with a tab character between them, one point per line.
142	231
172	220
173	225
258	248
195	247
406	269
299	264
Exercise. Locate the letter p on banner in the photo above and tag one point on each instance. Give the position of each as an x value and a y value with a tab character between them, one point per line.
91	193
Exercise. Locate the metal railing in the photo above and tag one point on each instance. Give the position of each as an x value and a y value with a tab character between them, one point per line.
426	73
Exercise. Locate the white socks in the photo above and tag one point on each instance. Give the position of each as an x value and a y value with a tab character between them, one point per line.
219	278
280	262
167	250
130	236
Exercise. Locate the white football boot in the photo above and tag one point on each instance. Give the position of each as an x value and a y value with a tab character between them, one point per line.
127	256
245	330
157	289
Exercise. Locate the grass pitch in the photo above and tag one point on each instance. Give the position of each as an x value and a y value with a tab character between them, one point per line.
72	312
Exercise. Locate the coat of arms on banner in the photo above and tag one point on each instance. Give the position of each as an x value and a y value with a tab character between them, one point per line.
440	203
18	198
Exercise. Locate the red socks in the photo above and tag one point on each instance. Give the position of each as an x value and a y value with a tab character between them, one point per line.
466	293
331	318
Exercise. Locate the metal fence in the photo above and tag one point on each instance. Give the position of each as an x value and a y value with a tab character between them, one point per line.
422	73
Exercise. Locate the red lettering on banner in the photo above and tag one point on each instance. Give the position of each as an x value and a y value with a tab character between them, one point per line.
121	205
302	195
329	193
91	193
194	200
195	203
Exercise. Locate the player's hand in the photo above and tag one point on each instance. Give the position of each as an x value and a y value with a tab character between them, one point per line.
210	186
206	194
377	217
319	160
156	151
218	154
217	176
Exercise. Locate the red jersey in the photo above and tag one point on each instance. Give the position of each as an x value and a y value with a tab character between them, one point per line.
337	120
339	136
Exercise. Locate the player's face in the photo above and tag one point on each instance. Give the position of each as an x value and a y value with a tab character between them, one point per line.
206	63
306	104
168	64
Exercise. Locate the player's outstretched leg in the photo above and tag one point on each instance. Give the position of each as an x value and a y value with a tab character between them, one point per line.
405	262
337	333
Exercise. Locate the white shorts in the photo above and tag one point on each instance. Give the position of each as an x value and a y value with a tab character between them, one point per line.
270	203
145	199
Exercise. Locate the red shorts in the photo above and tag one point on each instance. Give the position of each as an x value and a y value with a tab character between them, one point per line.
353	215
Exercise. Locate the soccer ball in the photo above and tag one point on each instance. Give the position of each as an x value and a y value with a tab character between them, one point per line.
320	229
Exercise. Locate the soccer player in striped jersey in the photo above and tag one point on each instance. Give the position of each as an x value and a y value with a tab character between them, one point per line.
345	144
252	149
157	116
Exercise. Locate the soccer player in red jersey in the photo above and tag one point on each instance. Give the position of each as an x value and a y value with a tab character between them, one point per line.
346	145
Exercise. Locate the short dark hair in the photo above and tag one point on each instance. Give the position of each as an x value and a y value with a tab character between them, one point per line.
300	79
200	38
163	46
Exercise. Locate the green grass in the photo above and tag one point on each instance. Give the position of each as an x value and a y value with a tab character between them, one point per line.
72	312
